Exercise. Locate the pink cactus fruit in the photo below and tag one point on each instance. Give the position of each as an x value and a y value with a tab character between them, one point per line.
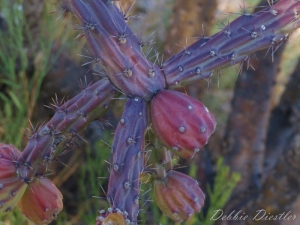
12	187
8	161
178	196
181	122
41	202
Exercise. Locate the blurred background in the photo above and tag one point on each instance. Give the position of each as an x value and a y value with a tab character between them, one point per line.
250	163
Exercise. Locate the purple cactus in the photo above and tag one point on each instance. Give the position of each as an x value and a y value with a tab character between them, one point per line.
119	52
243	36
69	119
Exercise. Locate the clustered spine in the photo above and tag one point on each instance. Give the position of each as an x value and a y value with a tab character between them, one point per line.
119	52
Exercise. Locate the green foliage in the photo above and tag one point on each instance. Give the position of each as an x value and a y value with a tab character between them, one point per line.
15	217
224	184
19	87
12	56
94	172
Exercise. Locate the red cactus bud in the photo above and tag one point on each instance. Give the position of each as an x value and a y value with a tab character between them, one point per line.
11	190
178	196
41	202
8	158
11	186
181	122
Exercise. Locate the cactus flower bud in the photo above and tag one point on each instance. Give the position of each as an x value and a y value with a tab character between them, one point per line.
11	190
181	122
8	159
178	196
11	186
41	202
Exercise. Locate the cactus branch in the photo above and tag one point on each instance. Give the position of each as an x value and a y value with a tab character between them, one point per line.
69	119
128	160
247	34
114	43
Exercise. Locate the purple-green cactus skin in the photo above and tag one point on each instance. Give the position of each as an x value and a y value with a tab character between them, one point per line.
69	119
243	36
128	159
118	49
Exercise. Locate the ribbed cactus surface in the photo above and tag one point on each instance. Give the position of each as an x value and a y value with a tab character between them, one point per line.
128	160
249	33
69	119
118	49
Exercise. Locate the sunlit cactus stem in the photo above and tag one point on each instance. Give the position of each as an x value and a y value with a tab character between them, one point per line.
249	33
118	49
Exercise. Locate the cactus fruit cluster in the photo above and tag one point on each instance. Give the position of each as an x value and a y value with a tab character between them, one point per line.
181	124
38	199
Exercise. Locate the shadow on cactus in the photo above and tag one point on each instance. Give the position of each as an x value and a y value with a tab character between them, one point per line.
181	124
